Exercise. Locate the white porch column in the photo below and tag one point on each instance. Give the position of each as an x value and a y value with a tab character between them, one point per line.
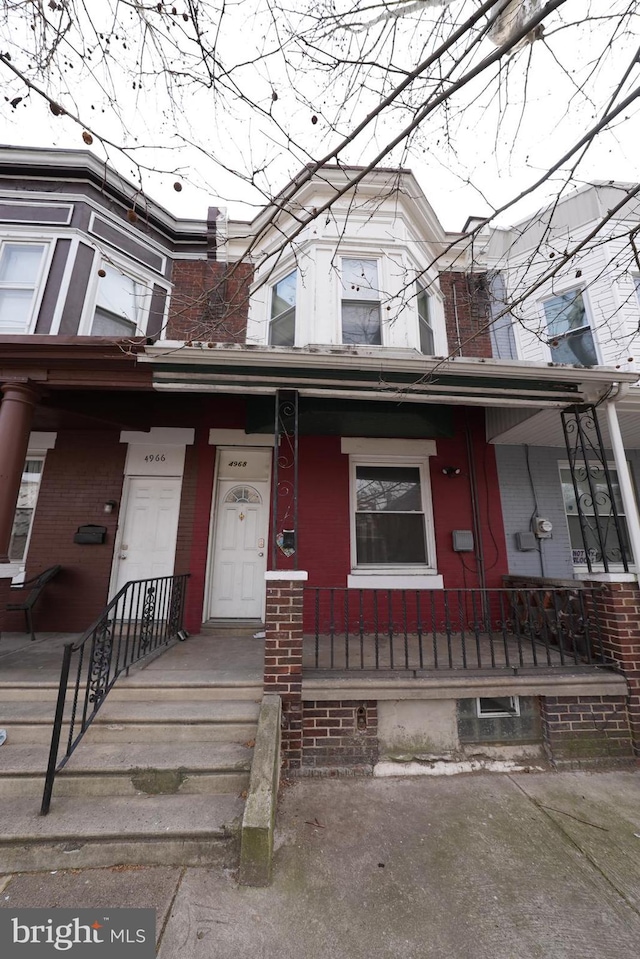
624	479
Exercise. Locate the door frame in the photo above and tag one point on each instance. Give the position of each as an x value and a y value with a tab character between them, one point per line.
122	512
213	520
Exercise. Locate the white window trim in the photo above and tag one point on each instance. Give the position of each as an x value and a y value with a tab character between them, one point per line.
393	576
134	272
45	265
588	313
582	568
39	444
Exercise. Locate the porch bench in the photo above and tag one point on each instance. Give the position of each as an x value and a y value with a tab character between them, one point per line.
32	589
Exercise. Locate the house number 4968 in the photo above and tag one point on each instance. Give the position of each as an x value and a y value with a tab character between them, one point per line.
155	458
238	463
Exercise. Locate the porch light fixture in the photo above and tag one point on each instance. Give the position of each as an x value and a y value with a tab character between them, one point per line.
451	470
109	506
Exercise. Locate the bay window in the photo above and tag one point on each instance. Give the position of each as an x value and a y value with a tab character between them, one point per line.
282	325
361	318
20	276
119	303
425	328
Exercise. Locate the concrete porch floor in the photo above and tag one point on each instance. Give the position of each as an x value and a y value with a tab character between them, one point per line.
216	660
201	660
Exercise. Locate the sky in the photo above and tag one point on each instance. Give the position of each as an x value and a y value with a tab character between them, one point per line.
289	85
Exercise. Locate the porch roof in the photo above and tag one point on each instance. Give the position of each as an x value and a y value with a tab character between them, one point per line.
377	373
543	427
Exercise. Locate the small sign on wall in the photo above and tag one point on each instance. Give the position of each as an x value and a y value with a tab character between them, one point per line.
155	460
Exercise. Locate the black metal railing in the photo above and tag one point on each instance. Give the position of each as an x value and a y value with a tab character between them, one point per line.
144	616
374	629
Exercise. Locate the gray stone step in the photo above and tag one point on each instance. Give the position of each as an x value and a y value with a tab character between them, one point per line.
128	721
160	686
109	831
111	770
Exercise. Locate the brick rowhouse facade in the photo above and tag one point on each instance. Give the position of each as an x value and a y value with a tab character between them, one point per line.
210	301
619	615
339	734
283	658
466	311
586	730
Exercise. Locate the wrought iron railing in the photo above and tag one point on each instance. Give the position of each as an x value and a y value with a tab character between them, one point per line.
144	616
451	629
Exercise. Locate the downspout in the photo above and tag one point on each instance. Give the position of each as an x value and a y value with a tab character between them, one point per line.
475	508
455	315
624	476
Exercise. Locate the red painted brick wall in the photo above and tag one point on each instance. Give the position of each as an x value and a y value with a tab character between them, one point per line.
197	522
466	309
586	730
209	301
83	471
341	733
324	534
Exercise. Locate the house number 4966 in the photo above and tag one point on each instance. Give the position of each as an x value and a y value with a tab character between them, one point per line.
155	458
238	463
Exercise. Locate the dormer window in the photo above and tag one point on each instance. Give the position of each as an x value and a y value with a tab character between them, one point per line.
20	273
282	326
570	335
361	322
425	328
118	304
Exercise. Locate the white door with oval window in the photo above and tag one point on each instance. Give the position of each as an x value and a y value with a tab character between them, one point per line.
240	550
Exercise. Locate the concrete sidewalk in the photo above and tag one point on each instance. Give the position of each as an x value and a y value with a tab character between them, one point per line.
484	866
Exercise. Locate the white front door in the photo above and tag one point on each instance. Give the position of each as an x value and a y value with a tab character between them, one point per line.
240	550
148	531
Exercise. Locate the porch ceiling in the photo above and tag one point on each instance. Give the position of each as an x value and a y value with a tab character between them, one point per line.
373	373
544	428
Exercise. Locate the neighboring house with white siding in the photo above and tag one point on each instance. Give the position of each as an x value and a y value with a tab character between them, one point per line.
566	287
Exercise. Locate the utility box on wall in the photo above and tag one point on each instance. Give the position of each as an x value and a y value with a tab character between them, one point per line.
462	541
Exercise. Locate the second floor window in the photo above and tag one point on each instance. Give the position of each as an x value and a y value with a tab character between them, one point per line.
118	304
282	325
20	270
361	321
570	336
425	328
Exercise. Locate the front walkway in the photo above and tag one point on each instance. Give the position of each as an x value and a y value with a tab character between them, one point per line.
490	867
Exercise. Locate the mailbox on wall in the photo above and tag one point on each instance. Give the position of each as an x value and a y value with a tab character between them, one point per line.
90	535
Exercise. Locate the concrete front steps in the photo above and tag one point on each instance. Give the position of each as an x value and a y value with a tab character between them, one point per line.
159	777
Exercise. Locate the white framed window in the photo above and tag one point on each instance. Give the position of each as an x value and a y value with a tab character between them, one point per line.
120	304
497	707
425	324
585	484
569	331
360	307
282	323
391	514
21	272
25	508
